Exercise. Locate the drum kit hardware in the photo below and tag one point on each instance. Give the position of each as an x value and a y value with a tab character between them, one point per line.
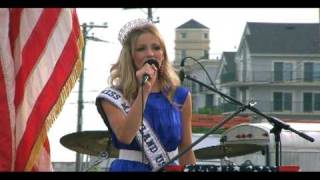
226	150
94	143
98	143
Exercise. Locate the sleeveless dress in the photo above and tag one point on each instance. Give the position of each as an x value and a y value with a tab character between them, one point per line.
165	120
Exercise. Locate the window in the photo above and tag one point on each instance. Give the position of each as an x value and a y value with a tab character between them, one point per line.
209	100
307	102
183	35
308	71
316	102
283	71
311	71
282	101
206	35
311	102
233	92
201	88
316	70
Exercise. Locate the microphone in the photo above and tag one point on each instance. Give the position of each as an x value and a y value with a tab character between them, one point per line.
181	73
150	61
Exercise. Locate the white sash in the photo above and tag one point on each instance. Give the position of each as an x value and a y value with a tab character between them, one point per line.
153	149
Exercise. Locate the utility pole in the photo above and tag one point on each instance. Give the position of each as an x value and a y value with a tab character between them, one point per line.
85	30
150	15
150	18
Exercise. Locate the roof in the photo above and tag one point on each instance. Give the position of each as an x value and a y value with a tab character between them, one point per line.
284	38
192	24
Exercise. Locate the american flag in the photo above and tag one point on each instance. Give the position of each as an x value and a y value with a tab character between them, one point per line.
40	55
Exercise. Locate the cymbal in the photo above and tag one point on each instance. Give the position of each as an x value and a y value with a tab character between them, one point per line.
226	150
94	143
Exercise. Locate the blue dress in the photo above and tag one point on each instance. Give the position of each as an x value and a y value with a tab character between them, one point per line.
165	120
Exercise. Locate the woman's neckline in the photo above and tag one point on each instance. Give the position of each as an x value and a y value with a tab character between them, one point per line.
155	92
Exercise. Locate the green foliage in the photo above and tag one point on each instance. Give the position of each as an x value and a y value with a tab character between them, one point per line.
203	130
210	110
227	107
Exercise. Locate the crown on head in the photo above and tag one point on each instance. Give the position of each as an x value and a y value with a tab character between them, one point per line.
130	26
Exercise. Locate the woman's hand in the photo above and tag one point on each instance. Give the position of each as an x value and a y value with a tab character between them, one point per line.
151	71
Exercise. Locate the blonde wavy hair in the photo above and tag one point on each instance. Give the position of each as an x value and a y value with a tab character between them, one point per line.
123	72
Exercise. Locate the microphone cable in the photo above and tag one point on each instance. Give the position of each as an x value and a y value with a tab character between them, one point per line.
197	61
208	76
145	78
141	124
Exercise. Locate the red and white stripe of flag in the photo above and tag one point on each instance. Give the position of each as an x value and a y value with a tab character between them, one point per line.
40	62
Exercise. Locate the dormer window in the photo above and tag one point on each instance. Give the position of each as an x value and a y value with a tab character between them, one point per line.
183	35
205	35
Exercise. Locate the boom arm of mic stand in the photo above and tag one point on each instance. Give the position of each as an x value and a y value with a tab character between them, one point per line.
272	120
277	124
213	129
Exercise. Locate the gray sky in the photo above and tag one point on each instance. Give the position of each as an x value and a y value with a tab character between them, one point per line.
226	27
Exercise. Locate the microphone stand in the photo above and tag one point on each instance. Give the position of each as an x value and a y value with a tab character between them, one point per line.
103	155
213	129
278	125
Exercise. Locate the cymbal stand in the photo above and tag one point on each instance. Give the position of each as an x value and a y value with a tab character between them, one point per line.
103	156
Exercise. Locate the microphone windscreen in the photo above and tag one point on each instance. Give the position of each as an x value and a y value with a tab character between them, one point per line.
152	61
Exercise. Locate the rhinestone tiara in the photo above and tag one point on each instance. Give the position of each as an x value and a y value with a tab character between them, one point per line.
130	26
